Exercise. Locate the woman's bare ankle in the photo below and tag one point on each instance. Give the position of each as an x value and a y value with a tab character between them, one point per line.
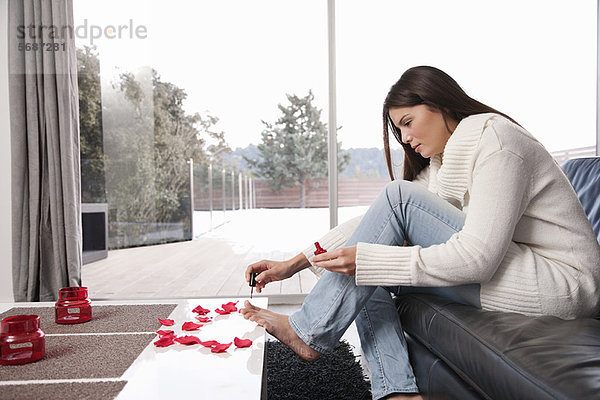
279	326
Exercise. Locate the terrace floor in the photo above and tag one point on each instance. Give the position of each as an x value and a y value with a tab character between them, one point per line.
213	264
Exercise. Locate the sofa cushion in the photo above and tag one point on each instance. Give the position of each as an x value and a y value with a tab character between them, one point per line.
435	378
584	174
508	355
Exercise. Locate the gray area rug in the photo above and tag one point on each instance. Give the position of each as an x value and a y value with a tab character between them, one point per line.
105	319
83	353
81	356
63	391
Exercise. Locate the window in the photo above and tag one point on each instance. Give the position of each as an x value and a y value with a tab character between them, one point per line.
173	97
185	106
533	60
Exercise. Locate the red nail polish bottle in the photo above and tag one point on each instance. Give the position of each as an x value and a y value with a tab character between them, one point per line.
73	306
21	340
319	249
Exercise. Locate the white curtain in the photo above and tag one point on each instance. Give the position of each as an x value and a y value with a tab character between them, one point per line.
44	113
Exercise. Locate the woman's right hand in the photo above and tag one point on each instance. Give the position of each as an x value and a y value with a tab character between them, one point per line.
269	271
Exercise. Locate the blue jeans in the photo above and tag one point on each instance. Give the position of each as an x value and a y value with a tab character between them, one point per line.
404	211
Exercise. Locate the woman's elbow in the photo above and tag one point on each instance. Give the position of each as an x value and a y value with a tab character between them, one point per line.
486	268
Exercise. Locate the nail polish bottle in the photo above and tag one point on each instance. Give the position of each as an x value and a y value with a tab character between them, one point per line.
319	249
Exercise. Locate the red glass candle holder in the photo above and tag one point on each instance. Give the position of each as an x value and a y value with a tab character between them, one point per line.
73	306
21	340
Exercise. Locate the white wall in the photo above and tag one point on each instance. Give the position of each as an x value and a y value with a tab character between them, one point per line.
6	294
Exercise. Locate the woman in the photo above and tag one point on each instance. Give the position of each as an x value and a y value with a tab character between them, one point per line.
484	216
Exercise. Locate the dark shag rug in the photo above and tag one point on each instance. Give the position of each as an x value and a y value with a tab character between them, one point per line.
333	376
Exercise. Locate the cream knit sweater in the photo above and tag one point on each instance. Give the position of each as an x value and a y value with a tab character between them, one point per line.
526	238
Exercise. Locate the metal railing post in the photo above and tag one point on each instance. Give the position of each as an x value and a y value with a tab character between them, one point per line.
232	190
241	190
191	162
251	187
223	189
210	194
246	191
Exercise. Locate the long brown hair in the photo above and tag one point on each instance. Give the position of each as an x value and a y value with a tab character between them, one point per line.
435	89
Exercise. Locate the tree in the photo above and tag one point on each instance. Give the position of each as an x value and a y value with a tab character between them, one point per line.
90	126
148	139
178	137
136	140
172	137
129	158
294	148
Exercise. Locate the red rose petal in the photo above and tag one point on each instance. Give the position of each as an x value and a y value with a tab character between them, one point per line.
220	348
188	340
166	322
165	341
242	342
209	343
229	306
165	333
200	310
190	326
203	319
222	312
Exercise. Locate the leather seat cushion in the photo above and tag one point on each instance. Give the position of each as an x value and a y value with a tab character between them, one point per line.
435	379
508	355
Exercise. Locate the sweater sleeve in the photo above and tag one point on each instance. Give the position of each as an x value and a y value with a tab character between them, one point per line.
333	239
472	255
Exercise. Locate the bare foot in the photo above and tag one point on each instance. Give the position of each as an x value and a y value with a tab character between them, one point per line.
279	326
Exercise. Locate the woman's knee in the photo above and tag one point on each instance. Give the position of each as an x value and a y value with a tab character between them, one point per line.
399	190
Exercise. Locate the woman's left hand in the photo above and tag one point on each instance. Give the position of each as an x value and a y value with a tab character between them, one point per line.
342	260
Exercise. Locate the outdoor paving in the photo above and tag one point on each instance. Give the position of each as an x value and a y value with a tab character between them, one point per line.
200	268
214	263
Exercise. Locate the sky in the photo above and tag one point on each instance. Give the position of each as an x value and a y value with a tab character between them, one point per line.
237	59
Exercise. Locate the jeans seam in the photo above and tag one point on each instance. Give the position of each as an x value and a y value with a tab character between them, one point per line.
393	212
398	209
329	307
408	202
305	337
436	216
380	362
386	223
412	389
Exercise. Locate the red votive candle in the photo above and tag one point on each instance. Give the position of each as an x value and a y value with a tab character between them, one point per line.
73	306
21	340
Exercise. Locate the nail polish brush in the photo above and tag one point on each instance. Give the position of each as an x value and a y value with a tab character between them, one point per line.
252	282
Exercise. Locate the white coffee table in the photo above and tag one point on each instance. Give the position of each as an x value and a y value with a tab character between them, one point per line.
181	371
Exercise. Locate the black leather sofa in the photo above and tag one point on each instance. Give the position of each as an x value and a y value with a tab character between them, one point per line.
459	352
